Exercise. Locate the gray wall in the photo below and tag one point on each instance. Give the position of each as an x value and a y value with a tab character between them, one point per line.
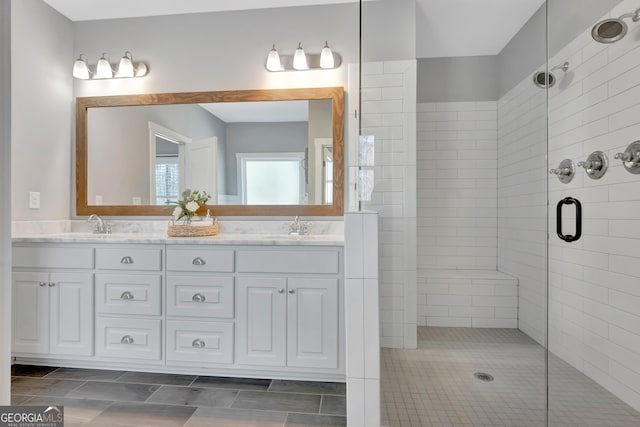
42	108
5	207
119	146
526	51
261	138
479	78
216	51
388	30
458	79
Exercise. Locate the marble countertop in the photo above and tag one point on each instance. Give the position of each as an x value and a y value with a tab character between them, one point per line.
158	238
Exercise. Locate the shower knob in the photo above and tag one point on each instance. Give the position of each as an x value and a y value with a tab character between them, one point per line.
565	171
631	157
596	165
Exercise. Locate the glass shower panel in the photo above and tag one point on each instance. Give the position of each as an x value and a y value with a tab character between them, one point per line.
594	214
459	130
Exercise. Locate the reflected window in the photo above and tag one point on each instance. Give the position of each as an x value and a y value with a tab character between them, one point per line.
272	178
167	175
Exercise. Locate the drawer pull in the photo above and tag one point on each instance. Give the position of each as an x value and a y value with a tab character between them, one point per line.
127	339
292	291
198	298
198	343
126	295
126	260
281	291
198	261
42	284
52	284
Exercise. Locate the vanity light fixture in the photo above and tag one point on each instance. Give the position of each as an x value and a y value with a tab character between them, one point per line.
326	57
273	60
300	60
81	68
104	70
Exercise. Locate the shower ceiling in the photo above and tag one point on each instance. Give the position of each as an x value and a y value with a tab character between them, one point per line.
469	27
85	10
444	27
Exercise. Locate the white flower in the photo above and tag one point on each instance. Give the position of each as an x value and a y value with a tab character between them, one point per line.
177	211
192	206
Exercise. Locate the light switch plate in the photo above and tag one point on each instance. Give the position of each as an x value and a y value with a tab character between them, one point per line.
34	200
136	201
99	200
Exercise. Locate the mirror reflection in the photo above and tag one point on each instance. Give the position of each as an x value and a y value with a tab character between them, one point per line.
241	153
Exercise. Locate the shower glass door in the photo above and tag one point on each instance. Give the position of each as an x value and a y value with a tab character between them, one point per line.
594	213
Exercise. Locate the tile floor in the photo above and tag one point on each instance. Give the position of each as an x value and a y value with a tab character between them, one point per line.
101	398
434	385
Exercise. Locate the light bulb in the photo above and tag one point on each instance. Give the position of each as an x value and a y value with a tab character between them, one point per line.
81	68
326	57
300	59
125	67
103	68
273	60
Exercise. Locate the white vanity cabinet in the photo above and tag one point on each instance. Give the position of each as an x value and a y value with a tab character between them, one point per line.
291	318
52	300
200	305
128	306
288	322
268	309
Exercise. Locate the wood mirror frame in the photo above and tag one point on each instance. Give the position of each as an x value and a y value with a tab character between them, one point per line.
336	94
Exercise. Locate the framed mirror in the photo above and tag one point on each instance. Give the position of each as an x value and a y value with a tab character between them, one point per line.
256	152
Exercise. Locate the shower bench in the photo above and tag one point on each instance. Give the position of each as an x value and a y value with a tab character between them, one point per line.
467	298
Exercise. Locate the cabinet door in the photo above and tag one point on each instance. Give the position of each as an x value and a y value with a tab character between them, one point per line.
312	323
31	313
71	313
261	321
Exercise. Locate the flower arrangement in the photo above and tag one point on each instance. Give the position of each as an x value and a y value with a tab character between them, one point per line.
189	204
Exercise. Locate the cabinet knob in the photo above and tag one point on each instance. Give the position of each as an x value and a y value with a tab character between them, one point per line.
127	339
126	295
42	284
292	291
52	284
198	298
198	261
126	260
281	291
198	343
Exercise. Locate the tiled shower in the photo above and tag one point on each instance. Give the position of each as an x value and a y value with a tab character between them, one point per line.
487	253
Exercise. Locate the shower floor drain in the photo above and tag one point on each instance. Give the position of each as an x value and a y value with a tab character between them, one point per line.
483	377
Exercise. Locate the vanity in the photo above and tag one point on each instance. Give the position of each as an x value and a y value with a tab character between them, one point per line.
262	306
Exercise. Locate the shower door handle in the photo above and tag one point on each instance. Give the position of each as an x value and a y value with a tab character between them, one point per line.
561	203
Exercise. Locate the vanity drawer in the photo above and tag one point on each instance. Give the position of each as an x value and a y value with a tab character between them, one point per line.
134	294
199	296
128	338
52	257
288	261
210	260
128	259
202	342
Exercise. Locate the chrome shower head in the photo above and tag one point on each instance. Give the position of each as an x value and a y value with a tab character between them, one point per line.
613	29
543	79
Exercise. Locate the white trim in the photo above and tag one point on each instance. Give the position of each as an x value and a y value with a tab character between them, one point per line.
5	208
318	179
158	130
240	170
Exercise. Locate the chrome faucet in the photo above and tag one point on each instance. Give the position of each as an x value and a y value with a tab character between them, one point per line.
101	226
298	228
